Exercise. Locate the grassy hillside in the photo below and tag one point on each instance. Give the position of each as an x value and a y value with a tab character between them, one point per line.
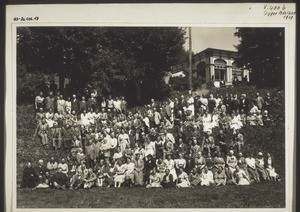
271	139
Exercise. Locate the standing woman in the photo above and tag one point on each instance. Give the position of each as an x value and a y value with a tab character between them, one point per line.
159	147
39	101
68	105
183	179
171	166
61	105
138	169
42	132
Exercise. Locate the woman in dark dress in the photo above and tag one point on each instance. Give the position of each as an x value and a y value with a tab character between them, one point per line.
30	177
159	147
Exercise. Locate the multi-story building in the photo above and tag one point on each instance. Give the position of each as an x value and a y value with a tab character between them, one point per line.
215	65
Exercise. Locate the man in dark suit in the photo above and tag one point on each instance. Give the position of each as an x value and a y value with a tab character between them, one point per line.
244	103
75	104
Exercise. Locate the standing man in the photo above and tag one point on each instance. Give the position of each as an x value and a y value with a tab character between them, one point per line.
244	103
259	101
75	104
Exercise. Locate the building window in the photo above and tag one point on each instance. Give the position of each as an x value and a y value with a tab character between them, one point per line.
220	75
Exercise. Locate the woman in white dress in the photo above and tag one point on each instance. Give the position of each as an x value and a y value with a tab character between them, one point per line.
270	168
191	106
61	104
183	179
231	161
120	170
236	122
207	122
171	166
84	118
154	180
207	177
49	118
68	104
241	177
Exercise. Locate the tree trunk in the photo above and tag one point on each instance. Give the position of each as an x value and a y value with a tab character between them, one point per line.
138	93
61	81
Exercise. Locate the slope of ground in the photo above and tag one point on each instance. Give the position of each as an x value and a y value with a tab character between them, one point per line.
271	139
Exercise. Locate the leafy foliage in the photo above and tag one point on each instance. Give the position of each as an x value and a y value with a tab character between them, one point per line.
267	138
262	51
182	83
102	57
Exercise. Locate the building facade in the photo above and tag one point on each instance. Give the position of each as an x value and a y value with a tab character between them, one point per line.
215	65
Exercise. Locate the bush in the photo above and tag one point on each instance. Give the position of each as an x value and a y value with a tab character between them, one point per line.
183	83
267	138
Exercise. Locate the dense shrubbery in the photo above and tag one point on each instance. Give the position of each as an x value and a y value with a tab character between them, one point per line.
267	139
182	83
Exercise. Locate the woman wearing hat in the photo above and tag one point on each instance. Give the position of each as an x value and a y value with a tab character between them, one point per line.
260	165
120	170
231	161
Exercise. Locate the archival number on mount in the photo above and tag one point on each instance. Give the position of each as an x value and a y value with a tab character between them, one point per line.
159	116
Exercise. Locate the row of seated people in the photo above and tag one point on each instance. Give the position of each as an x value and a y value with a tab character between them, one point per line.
151	172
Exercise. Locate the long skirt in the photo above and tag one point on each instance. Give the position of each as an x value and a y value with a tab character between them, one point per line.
139	177
272	172
243	181
183	184
120	178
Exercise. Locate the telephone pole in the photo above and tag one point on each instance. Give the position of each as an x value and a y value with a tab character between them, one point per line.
190	58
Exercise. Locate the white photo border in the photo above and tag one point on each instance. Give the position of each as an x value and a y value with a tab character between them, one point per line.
175	15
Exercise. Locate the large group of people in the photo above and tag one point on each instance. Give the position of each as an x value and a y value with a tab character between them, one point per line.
163	144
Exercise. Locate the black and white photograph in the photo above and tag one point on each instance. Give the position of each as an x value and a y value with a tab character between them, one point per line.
191	116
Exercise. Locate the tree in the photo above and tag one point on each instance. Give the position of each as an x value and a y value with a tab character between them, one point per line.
107	58
262	51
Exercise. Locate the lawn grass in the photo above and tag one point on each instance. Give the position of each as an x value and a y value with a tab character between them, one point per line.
262	195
